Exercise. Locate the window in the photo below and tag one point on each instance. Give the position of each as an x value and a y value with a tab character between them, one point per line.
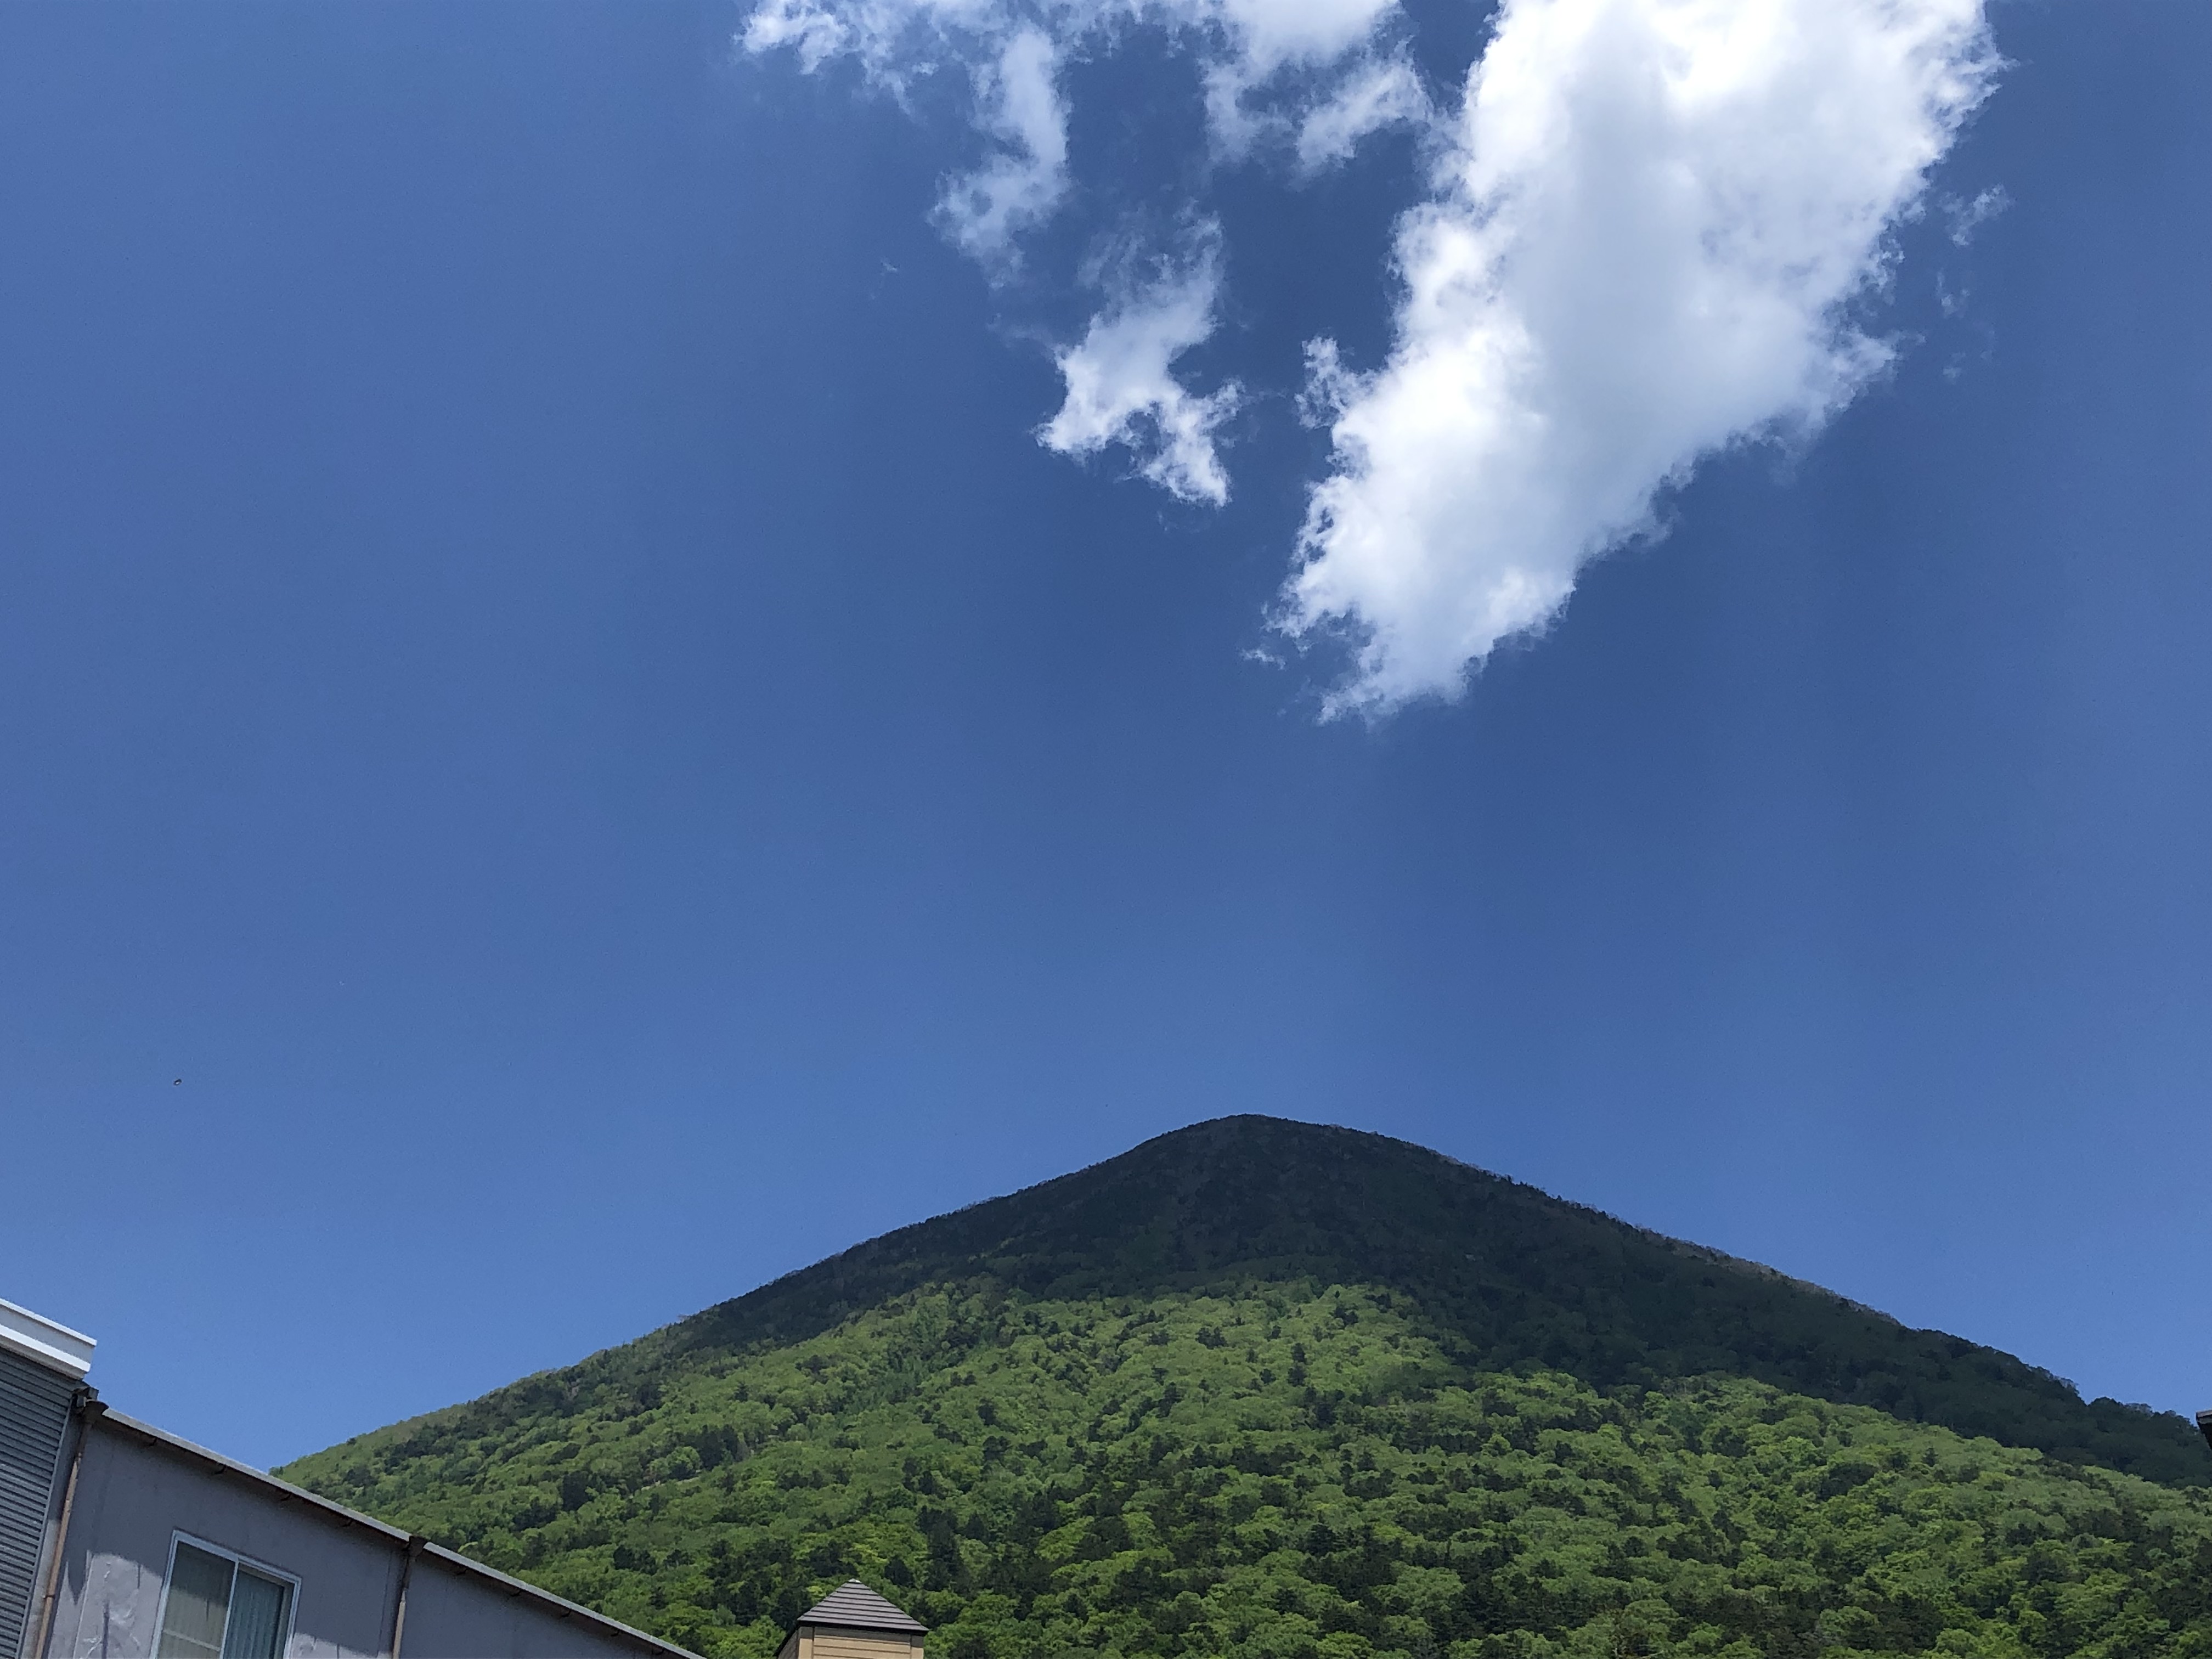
217	1606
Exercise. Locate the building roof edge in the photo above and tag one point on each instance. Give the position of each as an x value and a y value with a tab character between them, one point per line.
44	1341
854	1606
338	1512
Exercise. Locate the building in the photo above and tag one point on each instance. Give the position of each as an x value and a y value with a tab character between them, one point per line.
119	1541
853	1622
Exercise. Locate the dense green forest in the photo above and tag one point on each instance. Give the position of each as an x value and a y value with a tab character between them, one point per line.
1163	1444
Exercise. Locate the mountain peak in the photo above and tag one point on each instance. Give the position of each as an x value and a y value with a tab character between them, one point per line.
1259	1389
1502	1273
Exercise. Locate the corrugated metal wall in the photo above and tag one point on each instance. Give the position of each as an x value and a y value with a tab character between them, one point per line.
34	1405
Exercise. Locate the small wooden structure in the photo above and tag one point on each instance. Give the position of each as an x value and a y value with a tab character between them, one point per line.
853	1622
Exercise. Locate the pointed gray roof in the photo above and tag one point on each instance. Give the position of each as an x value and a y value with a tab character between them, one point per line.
856	1607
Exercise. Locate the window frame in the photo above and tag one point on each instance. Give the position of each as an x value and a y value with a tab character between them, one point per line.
237	1560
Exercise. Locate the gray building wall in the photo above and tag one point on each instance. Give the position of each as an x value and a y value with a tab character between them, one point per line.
451	1617
137	1489
92	1504
132	1501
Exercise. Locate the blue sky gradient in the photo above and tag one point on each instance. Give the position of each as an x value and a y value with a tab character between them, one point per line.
545	675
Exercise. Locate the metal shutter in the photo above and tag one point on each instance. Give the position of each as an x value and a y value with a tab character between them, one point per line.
34	1408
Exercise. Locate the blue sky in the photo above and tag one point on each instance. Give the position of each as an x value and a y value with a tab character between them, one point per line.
569	665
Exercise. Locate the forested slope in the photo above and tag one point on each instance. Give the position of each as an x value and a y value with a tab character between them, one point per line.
1263	1389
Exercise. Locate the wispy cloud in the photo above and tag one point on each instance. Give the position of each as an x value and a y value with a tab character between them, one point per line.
1120	389
1310	78
1022	182
1643	249
1302	51
1375	95
1290	54
1967	217
1307	77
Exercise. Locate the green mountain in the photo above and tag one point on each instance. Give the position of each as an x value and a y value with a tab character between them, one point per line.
1265	1388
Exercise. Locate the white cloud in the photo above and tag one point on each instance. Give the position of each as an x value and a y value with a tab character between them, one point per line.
1641	251
1021	185
1312	75
893	41
1374	96
1260	42
1644	241
1120	389
1271	33
1282	50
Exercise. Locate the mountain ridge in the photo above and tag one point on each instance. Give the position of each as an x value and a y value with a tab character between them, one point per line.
1250	1200
1266	1391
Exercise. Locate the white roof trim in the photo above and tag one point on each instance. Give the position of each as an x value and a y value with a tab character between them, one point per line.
36	1338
